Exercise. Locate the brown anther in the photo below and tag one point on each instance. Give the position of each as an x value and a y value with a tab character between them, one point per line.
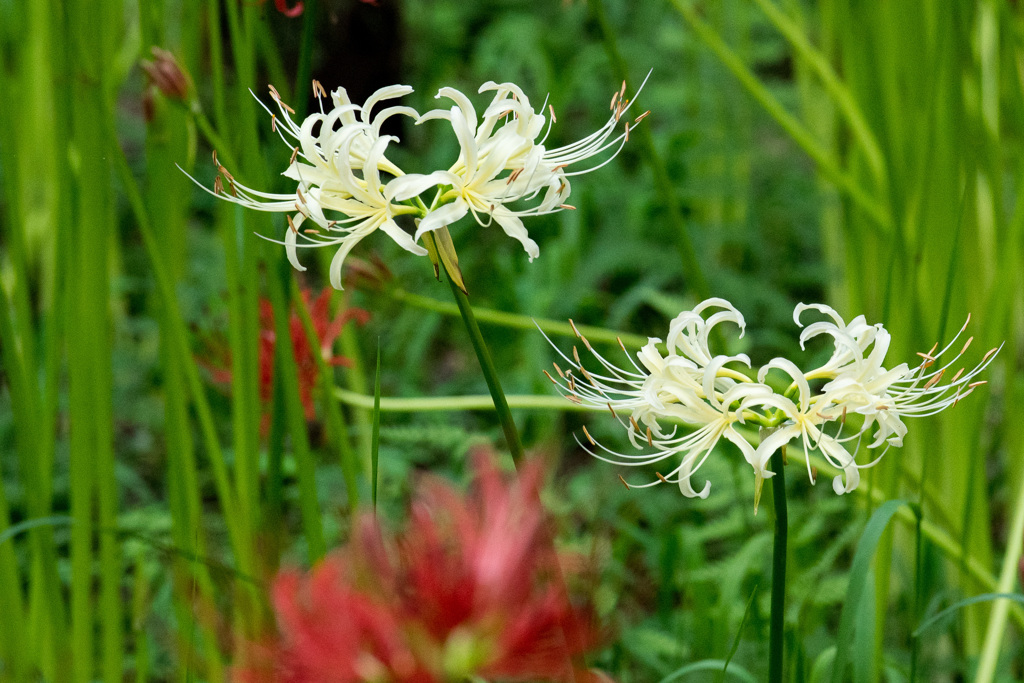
295	154
934	380
311	231
641	117
561	187
842	418
291	224
883	407
273	92
231	184
622	92
558	168
814	474
663	479
586	374
977	384
552	110
627	131
632	421
932	351
215	162
572	384
988	355
548	375
218	185
302	198
621	345
623	482
969	340
575	399
926	356
589	438
612	410
558	370
586	343
273	123
576	356
956	376
570	207
615	97
573	326
318	89
650	441
227	174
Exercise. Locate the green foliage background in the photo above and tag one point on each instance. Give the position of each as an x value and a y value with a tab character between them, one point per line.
864	155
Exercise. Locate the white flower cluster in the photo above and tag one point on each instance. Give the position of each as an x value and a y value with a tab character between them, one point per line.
689	386
347	187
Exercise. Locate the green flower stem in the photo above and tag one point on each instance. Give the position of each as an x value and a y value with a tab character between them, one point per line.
508	425
520	322
779	547
456	403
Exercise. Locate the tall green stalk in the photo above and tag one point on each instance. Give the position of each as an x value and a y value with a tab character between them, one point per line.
483	355
777	625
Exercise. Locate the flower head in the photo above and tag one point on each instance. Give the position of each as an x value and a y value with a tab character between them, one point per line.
348	188
325	327
707	400
688	386
467	590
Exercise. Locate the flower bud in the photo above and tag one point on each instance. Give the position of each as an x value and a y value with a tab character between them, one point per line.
168	77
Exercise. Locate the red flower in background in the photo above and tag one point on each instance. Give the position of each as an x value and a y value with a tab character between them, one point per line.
327	330
469	589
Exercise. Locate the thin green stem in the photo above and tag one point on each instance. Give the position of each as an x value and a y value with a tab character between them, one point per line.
915	641
335	420
662	179
521	322
776	641
456	403
508	425
826	162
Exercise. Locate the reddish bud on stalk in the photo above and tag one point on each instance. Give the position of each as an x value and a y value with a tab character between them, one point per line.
166	75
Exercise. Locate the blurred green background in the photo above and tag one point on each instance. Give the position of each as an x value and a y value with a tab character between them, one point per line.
866	155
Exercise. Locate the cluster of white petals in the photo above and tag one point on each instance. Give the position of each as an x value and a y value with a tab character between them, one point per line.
347	187
677	405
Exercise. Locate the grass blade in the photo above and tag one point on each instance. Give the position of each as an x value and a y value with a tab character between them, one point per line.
739	632
862	558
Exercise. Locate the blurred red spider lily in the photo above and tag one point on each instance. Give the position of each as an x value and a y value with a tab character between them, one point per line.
469	590
327	330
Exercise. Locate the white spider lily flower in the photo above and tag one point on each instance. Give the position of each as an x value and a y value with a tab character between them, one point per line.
685	386
337	161
806	418
861	383
886	397
500	165
851	341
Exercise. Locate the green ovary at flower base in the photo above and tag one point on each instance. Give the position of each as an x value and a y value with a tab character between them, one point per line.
689	385
348	188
